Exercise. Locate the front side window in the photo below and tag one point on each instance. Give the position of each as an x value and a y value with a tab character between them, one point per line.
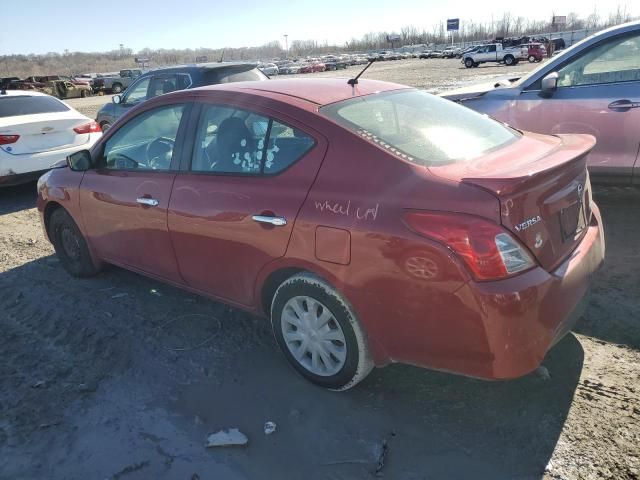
617	60
419	127
138	91
145	142
237	141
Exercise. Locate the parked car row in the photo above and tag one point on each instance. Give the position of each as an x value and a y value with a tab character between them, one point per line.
60	86
312	64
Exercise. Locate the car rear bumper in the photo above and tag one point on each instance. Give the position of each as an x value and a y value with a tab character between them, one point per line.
19	178
525	316
31	164
494	330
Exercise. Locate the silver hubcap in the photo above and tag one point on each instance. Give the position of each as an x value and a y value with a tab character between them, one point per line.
313	336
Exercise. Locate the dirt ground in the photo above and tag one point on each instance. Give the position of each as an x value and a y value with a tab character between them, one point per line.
122	377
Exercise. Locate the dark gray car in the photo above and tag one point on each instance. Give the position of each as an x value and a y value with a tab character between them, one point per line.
165	80
592	87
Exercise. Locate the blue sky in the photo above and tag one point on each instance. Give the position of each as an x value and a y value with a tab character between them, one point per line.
40	26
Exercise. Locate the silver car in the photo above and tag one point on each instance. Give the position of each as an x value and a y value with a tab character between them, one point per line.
592	87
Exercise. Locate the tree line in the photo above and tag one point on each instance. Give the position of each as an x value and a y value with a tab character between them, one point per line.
73	63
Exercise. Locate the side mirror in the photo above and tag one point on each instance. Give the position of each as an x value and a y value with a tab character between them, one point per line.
549	84
116	99
79	161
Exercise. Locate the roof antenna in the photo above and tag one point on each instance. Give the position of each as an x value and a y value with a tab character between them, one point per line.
354	81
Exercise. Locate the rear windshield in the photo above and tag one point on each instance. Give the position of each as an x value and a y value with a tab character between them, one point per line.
419	127
14	106
230	75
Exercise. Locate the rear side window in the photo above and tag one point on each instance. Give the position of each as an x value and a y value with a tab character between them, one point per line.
14	106
236	141
419	127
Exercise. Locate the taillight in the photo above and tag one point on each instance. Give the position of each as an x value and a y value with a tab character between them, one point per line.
91	127
7	139
488	251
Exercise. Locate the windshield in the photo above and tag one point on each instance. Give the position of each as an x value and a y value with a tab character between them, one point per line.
421	128
14	106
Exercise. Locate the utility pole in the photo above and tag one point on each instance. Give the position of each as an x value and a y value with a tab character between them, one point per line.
286	46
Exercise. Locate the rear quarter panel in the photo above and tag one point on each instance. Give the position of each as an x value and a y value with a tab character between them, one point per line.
364	190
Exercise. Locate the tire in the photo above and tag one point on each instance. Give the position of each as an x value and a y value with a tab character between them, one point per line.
70	246
509	60
116	88
468	62
345	359
532	59
84	94
105	126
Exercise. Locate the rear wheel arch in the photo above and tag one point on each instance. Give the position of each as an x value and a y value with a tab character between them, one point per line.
271	284
358	360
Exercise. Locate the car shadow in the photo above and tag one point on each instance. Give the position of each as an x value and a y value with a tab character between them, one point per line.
612	313
64	336
17	198
434	425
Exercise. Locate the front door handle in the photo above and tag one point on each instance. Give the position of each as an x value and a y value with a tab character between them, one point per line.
623	105
149	202
276	221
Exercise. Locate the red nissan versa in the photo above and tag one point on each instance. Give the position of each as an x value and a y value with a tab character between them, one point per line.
373	223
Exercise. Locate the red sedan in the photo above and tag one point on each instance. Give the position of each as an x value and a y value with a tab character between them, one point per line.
372	223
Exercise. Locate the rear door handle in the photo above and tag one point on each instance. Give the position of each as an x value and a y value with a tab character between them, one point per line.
276	221
623	105
149	202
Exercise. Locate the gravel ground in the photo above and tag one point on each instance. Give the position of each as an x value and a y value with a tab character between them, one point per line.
122	377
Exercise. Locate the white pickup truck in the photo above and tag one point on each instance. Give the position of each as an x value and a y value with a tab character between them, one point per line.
495	52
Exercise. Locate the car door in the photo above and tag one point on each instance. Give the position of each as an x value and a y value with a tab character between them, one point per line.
124	200
598	93
233	207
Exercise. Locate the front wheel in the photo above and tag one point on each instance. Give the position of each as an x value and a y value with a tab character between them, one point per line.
532	59
469	63
319	333
116	88
70	245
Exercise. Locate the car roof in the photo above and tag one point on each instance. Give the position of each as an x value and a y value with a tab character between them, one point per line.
318	91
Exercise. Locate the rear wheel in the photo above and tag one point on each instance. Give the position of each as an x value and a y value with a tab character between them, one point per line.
105	126
319	333
70	245
116	88
509	60
532	59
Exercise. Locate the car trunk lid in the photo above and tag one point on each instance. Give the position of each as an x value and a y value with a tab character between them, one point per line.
43	132
543	188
